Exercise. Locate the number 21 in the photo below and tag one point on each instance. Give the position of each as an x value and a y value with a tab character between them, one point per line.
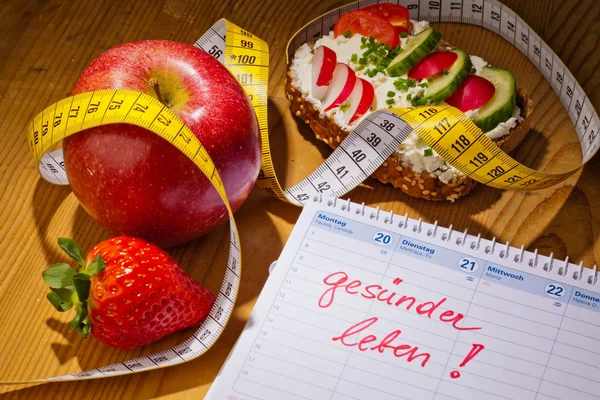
468	265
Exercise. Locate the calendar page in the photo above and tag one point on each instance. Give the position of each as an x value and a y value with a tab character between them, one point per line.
364	304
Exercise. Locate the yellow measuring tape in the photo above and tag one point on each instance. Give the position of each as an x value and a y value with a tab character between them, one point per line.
445	129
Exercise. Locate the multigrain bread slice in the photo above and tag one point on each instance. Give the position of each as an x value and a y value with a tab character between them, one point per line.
394	170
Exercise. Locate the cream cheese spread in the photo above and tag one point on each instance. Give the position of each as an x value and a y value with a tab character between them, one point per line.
412	150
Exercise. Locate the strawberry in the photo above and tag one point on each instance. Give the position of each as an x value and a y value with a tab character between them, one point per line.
127	292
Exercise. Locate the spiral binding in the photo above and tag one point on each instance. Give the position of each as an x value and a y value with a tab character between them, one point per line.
533	258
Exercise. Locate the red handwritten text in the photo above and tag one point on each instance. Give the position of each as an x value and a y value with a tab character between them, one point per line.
340	281
400	350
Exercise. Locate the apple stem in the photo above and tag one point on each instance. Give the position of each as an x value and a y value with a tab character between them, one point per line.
154	84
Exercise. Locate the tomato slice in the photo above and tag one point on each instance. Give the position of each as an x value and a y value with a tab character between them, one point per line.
367	23
398	16
474	92
432	64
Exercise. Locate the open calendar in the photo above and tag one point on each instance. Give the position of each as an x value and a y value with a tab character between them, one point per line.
369	305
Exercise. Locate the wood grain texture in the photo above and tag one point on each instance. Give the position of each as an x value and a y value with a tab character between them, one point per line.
44	46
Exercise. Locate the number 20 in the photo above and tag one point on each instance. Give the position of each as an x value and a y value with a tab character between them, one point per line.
382	238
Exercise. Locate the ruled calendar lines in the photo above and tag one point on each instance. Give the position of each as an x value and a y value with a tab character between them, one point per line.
337	261
479	390
527	350
270	387
468	372
576	360
434	278
344	249
590	374
492	339
395	380
377	389
587	337
577	347
431	273
507	327
519	304
570	387
373	329
514	316
577	319
297	365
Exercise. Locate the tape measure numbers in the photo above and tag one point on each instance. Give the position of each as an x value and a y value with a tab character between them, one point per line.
456	138
447	130
87	110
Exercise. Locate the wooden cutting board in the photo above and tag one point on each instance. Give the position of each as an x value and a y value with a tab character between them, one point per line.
44	46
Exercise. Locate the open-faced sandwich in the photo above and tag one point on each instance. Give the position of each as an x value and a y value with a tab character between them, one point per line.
375	58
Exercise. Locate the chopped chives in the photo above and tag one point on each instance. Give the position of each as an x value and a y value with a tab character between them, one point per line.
390	101
347	34
391	94
354	57
403	34
427	152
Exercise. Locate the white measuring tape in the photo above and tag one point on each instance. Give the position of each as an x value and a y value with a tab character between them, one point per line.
342	171
227	43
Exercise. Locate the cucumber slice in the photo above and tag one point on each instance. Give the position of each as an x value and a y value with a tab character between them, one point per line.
500	107
416	48
444	85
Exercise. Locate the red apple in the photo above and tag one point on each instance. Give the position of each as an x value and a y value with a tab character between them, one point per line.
323	65
360	99
340	87
135	183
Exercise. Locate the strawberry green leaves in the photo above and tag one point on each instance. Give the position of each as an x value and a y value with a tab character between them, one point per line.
72	286
60	301
72	249
81	322
82	284
95	267
58	275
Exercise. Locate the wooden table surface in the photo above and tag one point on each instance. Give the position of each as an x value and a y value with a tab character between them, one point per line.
44	46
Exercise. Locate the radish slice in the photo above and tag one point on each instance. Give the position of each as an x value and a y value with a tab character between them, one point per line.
474	92
433	64
340	87
360	99
323	65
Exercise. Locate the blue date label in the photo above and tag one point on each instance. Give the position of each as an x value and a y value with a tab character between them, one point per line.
468	264
382	239
554	290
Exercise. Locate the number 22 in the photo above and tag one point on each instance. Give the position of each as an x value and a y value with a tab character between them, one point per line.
555	290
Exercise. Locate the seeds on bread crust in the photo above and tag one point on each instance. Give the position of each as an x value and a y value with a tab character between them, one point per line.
394	170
